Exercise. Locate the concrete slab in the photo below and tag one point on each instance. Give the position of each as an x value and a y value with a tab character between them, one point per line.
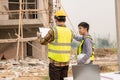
110	76
104	76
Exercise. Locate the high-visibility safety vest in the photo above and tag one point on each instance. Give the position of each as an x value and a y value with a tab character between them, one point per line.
59	49
80	47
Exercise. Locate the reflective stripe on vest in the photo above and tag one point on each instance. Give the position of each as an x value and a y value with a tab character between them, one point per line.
79	51
59	49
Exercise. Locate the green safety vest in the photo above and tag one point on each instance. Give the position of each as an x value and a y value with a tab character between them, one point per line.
79	50
59	49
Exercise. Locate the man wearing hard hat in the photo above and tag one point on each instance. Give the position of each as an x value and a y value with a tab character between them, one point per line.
59	40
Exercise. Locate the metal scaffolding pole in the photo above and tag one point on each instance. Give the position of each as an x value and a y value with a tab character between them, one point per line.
117	6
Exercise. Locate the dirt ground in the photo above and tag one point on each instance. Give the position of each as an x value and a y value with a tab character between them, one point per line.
106	59
29	69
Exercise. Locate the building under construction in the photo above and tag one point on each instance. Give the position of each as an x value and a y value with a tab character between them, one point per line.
19	22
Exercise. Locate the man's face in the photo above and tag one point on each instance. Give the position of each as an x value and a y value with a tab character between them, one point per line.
82	30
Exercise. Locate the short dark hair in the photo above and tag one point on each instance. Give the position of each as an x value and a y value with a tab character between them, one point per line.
60	18
84	25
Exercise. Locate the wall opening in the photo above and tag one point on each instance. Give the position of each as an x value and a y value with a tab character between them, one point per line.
26	5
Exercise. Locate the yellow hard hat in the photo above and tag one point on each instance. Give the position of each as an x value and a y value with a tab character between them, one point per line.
60	13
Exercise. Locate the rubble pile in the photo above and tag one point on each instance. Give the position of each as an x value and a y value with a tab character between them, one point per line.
14	70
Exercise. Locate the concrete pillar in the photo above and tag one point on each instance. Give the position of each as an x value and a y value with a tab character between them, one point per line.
3	4
40	52
117	5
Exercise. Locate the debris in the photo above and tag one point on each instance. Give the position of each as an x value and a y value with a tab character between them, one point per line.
12	70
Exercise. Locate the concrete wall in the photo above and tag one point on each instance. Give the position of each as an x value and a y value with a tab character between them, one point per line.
43	16
9	51
28	32
40	52
2	4
10	32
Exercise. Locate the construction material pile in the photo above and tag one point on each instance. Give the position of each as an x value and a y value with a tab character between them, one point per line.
28	69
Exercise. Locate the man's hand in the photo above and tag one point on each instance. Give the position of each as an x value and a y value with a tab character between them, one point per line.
38	35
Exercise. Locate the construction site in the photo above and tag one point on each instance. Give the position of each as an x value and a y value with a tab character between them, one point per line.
21	55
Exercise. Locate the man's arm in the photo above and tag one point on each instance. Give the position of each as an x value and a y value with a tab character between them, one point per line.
77	38
88	48
48	38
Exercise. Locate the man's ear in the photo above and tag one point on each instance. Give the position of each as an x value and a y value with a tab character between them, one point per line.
55	20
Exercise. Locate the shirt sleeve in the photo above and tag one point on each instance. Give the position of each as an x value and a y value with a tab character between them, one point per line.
77	38
88	48
48	38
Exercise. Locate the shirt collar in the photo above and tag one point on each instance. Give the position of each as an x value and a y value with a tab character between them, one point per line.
62	25
86	35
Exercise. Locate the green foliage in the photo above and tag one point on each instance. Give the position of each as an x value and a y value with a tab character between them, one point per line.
104	43
74	44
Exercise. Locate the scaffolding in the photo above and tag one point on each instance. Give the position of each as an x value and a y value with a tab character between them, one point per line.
28	10
24	10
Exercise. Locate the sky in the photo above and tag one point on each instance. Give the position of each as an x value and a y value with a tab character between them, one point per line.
100	14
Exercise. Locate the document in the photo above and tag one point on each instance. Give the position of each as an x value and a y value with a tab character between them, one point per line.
43	31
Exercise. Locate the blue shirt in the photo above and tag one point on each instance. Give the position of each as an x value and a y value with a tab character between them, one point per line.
87	48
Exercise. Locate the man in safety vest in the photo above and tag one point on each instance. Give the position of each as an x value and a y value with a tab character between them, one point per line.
59	40
85	50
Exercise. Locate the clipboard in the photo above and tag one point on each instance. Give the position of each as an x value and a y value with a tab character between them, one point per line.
43	31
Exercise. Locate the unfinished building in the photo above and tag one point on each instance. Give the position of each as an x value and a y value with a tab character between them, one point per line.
34	14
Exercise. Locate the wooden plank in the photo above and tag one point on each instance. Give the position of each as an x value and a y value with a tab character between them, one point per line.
15	40
32	78
19	31
16	22
26	10
8	40
21	19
